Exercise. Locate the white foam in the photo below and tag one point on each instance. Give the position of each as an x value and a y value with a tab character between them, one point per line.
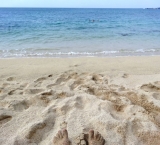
51	53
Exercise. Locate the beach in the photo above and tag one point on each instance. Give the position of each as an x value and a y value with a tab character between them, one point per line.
117	96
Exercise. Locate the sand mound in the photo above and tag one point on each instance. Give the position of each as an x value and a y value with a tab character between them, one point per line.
31	112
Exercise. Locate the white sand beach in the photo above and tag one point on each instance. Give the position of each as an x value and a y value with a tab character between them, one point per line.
116	96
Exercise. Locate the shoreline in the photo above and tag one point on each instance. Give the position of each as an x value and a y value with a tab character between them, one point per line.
81	56
76	57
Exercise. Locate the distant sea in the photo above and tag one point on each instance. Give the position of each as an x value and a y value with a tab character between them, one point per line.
67	32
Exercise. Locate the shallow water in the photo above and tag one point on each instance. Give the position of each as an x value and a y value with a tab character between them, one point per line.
79	32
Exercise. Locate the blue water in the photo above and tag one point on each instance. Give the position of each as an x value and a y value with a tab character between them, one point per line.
26	32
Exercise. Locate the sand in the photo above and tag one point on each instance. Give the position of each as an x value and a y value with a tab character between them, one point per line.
118	97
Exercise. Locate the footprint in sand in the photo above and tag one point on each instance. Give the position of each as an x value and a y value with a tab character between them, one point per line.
18	105
49	93
34	129
4	118
45	96
156	96
157	82
76	65
12	89
59	94
125	75
40	79
4	85
50	86
151	87
63	78
11	79
36	132
18	91
11	92
33	91
50	75
97	78
24	85
60	80
76	84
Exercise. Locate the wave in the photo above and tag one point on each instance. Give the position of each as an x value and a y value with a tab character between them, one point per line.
44	53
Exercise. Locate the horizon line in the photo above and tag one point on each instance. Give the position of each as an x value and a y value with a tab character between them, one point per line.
79	7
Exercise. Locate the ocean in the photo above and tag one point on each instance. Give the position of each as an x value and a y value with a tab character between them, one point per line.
72	32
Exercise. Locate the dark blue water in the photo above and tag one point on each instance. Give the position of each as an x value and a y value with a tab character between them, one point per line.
76	32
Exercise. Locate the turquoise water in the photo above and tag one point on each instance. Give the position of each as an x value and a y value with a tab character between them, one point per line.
26	32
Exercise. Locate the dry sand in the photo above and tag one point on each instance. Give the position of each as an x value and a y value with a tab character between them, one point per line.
119	97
